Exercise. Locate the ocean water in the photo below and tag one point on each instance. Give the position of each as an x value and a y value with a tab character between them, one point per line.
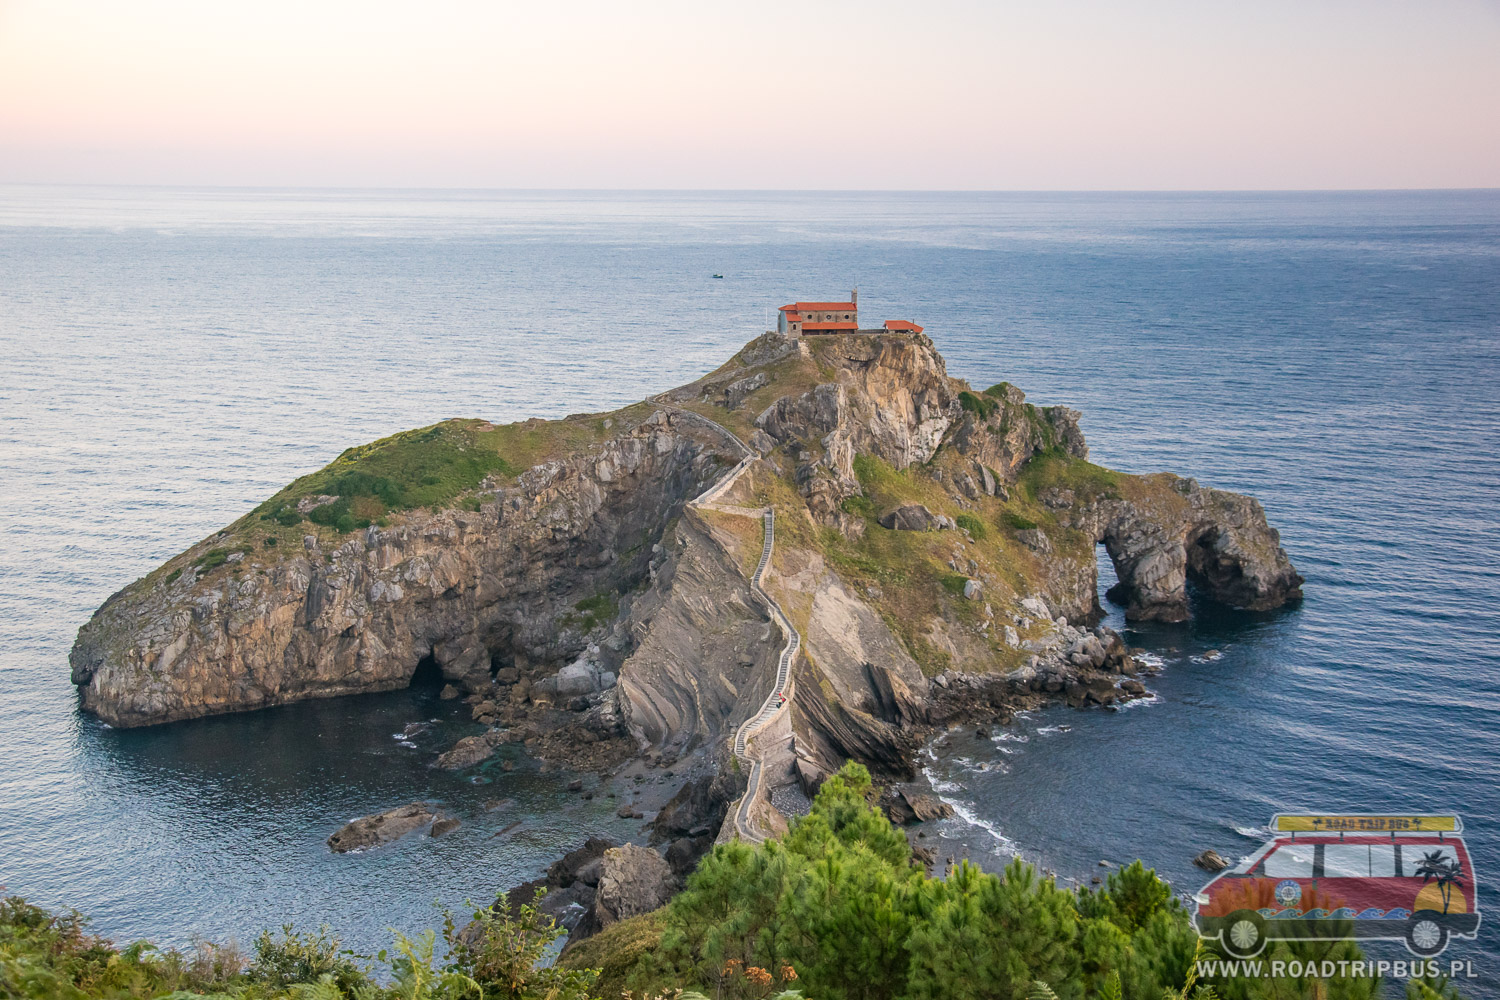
170	357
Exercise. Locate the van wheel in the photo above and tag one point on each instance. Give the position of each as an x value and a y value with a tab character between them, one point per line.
1244	934
1425	934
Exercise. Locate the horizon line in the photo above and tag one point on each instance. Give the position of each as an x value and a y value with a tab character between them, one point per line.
740	190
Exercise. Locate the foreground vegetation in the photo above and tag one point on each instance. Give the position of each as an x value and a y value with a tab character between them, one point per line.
840	901
499	954
836	910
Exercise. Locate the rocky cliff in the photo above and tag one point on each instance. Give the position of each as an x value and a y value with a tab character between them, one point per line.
935	549
508	576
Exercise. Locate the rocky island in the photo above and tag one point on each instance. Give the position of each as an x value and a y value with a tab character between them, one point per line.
824	550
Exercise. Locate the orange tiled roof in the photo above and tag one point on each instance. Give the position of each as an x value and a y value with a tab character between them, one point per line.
902	326
829	326
819	307
794	317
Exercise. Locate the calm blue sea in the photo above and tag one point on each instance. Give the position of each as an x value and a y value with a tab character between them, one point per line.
172	356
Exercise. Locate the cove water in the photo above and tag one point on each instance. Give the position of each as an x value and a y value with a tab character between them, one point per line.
171	357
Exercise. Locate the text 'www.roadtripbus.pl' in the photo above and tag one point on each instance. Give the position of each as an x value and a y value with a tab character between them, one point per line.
1327	969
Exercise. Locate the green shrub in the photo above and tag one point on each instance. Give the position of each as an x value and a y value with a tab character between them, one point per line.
339	516
858	506
284	959
172	576
973	525
1017	522
503	953
46	955
591	612
271	541
212	558
982	407
954	583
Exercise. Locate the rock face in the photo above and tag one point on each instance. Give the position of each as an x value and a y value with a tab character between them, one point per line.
1219	541
464	588
382	828
698	611
632	880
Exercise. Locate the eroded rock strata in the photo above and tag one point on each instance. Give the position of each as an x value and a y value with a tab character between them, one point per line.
935	548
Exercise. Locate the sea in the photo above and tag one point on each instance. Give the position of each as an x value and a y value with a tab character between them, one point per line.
169	357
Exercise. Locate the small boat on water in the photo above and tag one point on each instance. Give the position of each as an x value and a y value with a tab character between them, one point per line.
718	276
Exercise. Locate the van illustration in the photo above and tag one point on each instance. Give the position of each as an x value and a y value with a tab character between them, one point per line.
1366	877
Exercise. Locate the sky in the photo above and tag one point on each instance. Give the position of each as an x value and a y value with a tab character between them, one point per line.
816	94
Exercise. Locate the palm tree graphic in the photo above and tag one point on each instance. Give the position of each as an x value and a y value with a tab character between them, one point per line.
1447	871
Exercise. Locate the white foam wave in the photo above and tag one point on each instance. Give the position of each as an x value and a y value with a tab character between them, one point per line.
1152	698
938	784
964	812
1151	659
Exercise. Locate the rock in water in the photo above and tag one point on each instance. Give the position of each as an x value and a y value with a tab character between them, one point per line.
1211	861
467	752
903	807
381	828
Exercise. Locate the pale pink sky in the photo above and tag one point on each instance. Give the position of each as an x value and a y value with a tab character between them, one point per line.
942	94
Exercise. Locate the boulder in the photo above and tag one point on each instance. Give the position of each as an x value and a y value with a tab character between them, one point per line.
1036	607
381	828
913	517
632	880
1211	860
1035	540
576	865
569	883
445	825
904	807
466	752
584	676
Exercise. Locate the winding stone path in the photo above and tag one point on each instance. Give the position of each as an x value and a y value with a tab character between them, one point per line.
780	698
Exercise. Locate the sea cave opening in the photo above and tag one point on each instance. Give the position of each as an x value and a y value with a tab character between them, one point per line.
427	673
